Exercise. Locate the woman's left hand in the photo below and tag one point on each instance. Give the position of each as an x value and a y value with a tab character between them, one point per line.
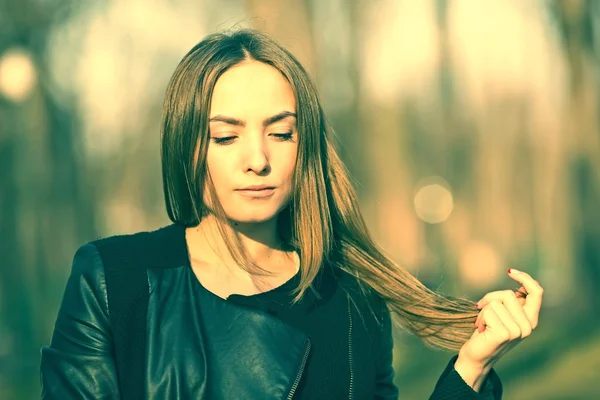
506	318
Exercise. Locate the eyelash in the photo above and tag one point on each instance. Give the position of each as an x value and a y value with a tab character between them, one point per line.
283	137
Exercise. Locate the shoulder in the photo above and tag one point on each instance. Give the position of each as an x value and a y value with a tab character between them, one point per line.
87	268
162	248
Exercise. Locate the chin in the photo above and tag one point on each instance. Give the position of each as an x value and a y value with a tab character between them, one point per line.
252	216
250	219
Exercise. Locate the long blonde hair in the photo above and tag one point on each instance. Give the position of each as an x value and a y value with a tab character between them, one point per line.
322	221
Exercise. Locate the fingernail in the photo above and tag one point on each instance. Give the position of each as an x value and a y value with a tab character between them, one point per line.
478	305
513	271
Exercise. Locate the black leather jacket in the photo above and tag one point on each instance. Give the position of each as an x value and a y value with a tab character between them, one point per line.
230	352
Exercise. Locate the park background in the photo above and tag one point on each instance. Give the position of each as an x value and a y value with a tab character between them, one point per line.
469	126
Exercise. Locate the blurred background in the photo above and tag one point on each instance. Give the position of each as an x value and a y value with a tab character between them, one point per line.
469	126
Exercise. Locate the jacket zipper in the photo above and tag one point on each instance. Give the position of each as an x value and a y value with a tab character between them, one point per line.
300	370
350	356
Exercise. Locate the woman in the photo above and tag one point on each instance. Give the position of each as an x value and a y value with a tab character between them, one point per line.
267	285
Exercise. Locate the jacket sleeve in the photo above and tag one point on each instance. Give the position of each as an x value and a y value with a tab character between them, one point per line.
451	386
79	362
384	387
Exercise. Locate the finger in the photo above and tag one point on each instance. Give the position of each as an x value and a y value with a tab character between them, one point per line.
513	328
514	305
500	295
515	308
535	292
481	318
489	321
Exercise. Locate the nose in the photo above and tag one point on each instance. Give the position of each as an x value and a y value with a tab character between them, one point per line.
257	156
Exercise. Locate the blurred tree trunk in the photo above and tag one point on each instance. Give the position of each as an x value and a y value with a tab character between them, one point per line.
349	121
16	329
576	21
44	212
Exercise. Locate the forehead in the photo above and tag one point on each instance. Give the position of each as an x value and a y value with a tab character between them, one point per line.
252	89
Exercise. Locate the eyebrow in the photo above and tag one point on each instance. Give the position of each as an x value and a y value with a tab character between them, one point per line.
266	122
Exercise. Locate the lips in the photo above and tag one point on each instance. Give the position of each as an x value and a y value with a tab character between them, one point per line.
257	191
257	187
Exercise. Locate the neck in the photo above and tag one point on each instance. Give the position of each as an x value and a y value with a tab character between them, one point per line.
260	240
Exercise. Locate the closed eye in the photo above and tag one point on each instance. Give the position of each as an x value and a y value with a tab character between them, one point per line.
223	140
283	136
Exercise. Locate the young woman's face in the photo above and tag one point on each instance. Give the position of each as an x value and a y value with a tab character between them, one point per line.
253	141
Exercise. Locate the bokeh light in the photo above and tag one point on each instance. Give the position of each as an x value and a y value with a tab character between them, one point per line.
480	264
433	201
18	74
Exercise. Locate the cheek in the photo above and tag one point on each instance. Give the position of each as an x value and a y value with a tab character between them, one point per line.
219	168
287	163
